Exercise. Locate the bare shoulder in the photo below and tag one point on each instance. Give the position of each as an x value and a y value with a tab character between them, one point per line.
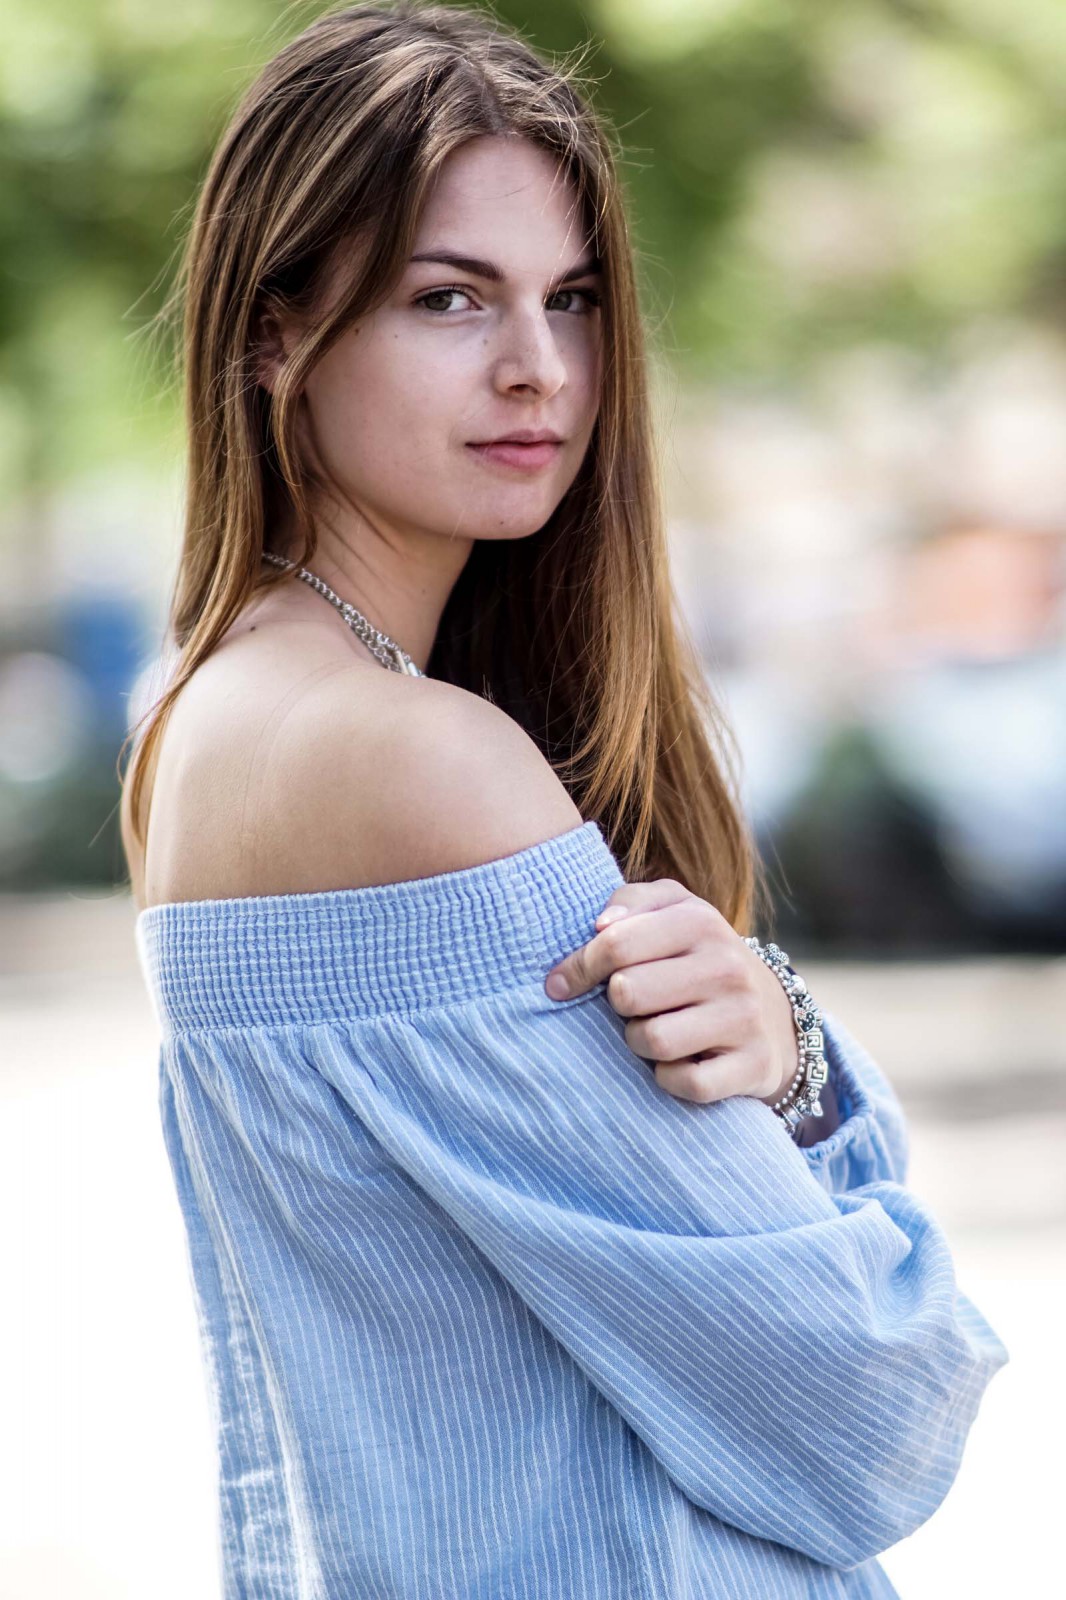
207	782
290	764
382	778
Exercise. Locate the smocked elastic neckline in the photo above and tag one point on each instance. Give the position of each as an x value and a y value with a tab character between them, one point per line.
306	957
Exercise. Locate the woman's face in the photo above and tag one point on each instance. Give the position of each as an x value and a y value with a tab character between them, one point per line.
456	356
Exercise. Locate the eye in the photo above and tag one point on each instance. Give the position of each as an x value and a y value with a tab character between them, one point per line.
590	298
436	294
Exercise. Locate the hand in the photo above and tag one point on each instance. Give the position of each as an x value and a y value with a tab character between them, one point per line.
703	1007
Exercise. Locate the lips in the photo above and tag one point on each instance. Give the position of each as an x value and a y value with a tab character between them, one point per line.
512	453
523	436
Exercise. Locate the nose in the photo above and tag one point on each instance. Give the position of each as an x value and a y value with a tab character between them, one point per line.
529	356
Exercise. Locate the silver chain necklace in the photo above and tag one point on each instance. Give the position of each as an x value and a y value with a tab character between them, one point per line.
387	651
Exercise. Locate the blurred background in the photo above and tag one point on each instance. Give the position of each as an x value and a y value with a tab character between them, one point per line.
851	224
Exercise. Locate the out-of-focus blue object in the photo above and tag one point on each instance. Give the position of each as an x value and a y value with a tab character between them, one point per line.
102	634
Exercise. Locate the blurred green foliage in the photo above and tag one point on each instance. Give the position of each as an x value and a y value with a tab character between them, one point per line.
801	175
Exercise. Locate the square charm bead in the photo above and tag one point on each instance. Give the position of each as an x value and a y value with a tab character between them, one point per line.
817	1070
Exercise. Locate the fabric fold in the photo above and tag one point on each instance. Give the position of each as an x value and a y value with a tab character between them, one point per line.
486	1314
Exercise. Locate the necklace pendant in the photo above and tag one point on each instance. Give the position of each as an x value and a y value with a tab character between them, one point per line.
405	664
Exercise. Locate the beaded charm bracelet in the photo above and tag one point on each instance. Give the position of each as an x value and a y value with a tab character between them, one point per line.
801	1098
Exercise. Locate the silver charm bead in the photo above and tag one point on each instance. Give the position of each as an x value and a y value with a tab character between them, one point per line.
801	1098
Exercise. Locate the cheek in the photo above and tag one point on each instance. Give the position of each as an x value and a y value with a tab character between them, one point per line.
583	356
592	365
391	411
374	403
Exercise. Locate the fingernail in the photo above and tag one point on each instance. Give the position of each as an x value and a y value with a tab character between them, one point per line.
611	914
557	986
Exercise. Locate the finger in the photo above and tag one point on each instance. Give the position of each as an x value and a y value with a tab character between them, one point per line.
705	1080
644	988
642	934
694	1030
643	897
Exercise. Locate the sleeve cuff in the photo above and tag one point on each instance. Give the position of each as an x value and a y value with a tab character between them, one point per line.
869	1142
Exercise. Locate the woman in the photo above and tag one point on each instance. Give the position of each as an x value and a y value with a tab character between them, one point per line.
502	1294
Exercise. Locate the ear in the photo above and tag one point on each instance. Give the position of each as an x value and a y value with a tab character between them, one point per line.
273	342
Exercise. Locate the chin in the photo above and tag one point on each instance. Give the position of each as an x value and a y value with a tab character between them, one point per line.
515	527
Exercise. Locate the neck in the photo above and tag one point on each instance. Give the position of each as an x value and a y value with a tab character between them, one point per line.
399	580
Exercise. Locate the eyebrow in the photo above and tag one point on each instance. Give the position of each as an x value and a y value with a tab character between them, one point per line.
488	269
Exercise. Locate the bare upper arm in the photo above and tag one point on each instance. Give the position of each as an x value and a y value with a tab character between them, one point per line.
381	781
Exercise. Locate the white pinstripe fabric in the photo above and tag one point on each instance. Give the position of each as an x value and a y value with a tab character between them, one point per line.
486	1315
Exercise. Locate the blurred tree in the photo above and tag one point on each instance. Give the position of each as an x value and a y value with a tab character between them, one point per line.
799	176
802	178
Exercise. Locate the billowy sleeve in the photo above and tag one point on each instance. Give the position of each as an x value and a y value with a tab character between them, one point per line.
799	1357
782	1329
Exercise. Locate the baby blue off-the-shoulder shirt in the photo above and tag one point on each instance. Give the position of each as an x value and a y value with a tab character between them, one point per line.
488	1315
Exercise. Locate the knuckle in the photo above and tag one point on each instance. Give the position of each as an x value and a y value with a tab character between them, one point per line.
611	941
656	1037
706	922
691	1082
738	979
577	973
619	990
703	1083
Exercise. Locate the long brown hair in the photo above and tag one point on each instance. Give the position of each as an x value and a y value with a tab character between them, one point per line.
575	630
